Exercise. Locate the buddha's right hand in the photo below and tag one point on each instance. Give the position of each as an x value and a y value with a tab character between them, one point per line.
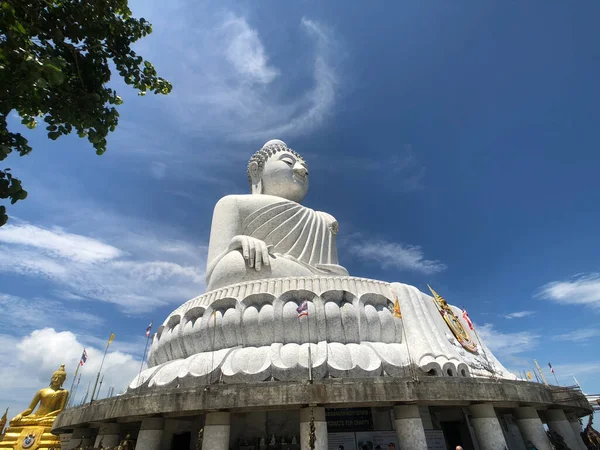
254	251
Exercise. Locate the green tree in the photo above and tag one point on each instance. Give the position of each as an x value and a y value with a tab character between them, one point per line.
56	58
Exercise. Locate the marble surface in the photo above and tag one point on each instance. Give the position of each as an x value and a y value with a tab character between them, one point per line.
248	334
267	255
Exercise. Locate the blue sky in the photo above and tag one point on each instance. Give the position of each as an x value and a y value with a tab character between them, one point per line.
456	143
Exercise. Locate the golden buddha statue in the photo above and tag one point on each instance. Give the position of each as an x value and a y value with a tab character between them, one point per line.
52	401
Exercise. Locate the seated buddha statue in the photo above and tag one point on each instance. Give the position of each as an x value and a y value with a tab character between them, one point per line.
268	233
52	401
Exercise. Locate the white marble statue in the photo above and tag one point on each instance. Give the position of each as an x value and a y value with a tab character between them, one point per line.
270	260
268	234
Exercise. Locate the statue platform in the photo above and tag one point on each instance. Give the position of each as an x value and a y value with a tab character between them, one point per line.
29	438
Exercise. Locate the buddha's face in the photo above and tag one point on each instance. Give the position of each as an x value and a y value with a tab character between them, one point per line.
57	381
285	175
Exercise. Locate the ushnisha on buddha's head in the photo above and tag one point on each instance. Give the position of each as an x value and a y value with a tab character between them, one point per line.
58	378
278	170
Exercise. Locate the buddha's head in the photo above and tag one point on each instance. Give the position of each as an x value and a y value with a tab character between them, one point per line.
278	170
58	378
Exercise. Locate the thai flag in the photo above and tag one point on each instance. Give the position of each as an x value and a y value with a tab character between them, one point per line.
149	330
466	317
83	358
302	310
551	369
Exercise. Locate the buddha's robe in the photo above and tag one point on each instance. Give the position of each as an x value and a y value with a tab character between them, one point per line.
297	233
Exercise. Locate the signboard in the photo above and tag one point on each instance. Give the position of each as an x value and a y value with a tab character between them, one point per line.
435	440
348	419
377	440
341	441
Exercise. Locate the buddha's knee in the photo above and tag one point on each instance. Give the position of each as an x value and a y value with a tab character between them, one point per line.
233	268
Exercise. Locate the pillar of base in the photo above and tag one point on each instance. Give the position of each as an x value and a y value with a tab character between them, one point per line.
108	435
409	428
558	422
216	431
83	437
487	427
320	428
576	426
150	434
532	428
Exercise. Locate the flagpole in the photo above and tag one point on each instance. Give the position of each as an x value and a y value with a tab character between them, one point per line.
99	387
577	383
72	394
101	364
73	382
540	371
143	359
310	377
554	373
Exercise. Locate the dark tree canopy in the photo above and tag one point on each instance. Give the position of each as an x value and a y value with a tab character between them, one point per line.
55	63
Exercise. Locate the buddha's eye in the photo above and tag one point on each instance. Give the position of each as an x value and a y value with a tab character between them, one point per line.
289	162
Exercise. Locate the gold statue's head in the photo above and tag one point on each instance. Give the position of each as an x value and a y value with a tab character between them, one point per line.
58	377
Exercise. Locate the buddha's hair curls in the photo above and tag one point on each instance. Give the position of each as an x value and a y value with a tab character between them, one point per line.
261	156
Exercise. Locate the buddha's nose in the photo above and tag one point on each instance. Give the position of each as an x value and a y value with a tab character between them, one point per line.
300	170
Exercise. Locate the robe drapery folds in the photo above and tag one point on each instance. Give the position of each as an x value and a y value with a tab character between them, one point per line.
295	232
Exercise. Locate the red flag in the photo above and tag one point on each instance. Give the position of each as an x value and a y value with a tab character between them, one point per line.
466	317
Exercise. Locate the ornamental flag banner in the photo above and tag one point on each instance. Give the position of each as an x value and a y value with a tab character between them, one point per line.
302	310
529	375
110	339
466	317
397	312
551	369
149	330
84	358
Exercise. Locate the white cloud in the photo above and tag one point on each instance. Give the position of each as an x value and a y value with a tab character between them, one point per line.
29	362
158	169
518	314
400	256
581	290
226	79
246	53
58	242
507	346
581	335
138	279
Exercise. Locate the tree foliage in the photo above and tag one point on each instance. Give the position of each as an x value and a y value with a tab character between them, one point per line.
55	62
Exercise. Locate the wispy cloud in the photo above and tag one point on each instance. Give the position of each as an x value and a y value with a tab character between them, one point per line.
227	83
507	346
148	272
392	254
17	312
518	314
580	290
59	243
581	335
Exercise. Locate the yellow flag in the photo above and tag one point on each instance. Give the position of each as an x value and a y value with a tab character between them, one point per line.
110	339
529	375
397	312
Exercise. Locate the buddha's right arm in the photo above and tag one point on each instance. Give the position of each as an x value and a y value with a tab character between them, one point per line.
226	224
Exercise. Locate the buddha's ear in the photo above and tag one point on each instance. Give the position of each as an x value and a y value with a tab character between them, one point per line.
255	176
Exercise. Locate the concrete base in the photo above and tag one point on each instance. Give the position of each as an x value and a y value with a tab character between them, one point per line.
217	428
532	428
409	428
150	434
487	427
108	436
577	431
320	428
557	422
83	437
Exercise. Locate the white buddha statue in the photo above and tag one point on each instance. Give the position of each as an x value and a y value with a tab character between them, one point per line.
268	234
